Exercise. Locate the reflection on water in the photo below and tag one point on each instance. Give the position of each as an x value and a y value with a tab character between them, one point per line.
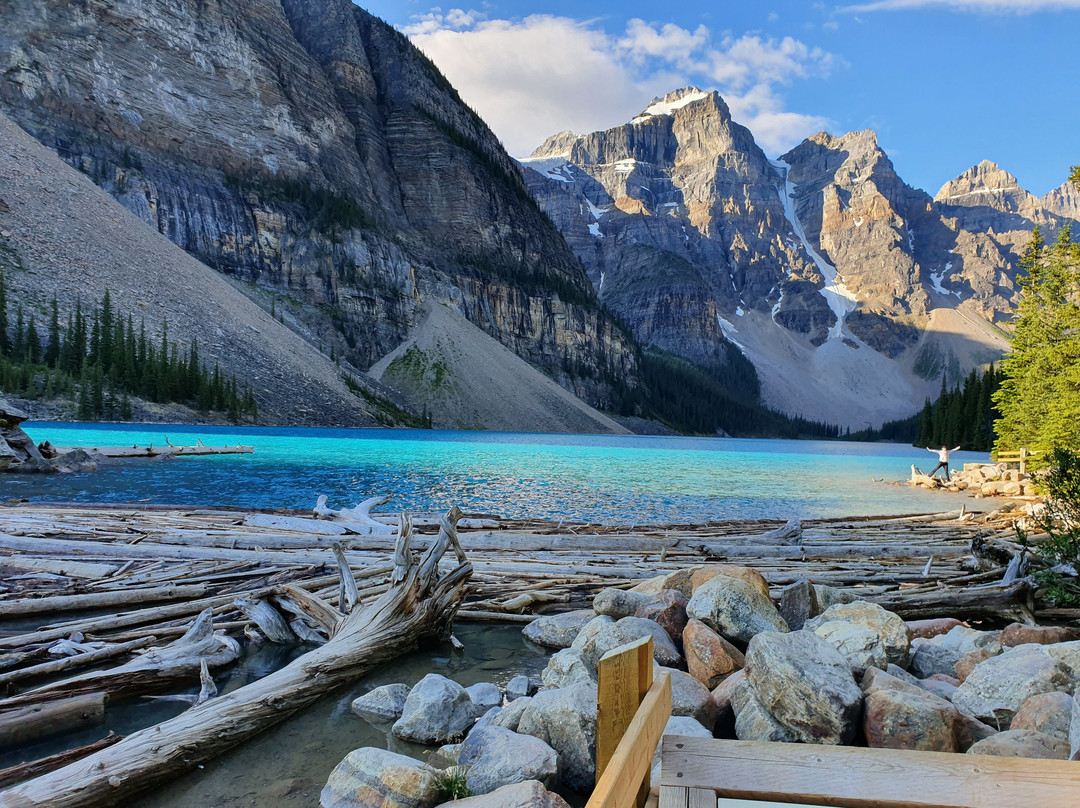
624	479
289	764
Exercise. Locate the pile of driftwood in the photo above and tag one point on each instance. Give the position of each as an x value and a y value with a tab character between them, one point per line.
163	597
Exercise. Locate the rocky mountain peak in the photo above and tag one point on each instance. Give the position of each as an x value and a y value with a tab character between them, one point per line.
986	184
1063	201
677	99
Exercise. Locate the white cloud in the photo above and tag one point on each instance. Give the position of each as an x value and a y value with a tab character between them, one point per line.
999	6
532	77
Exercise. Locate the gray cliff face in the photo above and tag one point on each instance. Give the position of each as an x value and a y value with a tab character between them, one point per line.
693	237
307	150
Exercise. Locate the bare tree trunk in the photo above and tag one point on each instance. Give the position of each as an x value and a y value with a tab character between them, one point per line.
422	605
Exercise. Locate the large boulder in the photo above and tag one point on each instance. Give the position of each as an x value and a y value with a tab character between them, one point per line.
484	696
557	630
678	581
753	722
496	757
565	719
709	657
901	719
997	687
1074	729
1067	653
626	631
437	711
805	684
859	645
928	658
668	610
734	609
383	704
963	668
530	794
690	697
587	635
1019	634
619	603
925	629
747	575
376	778
1025	743
567	667
510	715
964	640
1049	713
894	633
517	687
798	603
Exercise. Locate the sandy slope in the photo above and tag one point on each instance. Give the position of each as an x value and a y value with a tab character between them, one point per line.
469	380
858	387
72	239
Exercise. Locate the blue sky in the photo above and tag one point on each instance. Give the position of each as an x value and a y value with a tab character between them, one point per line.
945	83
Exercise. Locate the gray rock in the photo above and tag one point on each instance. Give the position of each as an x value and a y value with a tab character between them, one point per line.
1074	729
894	632
1049	713
997	687
511	714
486	720
619	603
376	778
1024	743
557	630
901	673
798	603
627	630
445	756
689	697
896	718
1067	653
530	794
484	696
383	704
965	640
753	722
565	719
805	684
939	687
734	609
497	757
517	687
827	596
567	667
437	711
929	658
859	645
587	636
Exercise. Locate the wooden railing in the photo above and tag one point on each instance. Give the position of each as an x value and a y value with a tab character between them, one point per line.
631	713
1020	457
696	771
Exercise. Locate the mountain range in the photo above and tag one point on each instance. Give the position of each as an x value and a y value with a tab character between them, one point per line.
364	221
850	291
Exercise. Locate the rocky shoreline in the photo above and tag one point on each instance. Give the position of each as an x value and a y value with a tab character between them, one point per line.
806	663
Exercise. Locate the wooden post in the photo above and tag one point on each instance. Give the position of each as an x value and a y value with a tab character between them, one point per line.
625	676
1023	460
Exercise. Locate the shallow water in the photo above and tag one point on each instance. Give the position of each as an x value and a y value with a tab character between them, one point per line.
610	479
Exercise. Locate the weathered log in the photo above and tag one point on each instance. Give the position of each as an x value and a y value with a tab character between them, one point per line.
25	725
24	771
304	605
157	668
77	661
419	607
348	596
268	619
1010	602
98	600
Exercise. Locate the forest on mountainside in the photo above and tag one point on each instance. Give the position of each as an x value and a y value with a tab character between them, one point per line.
98	360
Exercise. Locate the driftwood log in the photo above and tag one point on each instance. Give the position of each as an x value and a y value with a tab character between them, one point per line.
423	604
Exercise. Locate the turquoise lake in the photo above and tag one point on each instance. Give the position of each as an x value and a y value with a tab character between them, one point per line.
601	478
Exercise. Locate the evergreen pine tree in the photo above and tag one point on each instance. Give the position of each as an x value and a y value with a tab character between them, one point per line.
5	339
33	342
52	348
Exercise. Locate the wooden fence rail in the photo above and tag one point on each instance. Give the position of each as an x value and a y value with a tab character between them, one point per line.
631	713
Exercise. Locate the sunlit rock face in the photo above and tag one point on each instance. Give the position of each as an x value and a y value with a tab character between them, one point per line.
306	149
843	284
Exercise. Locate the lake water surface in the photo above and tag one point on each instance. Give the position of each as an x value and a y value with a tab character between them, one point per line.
603	478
